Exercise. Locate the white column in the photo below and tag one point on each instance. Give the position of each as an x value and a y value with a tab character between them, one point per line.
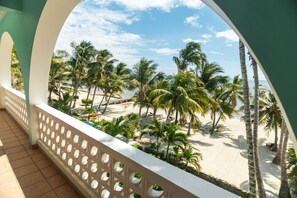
5	64
49	26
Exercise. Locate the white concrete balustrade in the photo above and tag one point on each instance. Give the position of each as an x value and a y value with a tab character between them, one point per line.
102	166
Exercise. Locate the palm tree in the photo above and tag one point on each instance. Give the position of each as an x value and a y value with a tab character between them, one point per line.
59	72
260	185
292	166
143	75
191	54
156	129
16	73
191	157
270	115
171	136
248	124
83	55
284	191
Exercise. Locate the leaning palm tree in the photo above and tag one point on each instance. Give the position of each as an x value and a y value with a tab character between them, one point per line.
82	56
248	123
143	75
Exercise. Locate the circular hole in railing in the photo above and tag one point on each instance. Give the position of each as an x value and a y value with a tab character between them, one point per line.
62	130
57	126
41	136
47	120
39	115
57	139
94	184
70	161
44	139
53	135
53	147
105	193
64	156
52	123
77	168
84	160
40	126
43	117
94	150
155	190
68	134
105	176
94	167
135	178
76	154
105	158
75	139
63	143
48	131
69	148
58	151
44	128
119	167
118	186
84	144
85	175
134	196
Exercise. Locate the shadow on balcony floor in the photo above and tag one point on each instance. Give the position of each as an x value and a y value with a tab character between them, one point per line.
35	173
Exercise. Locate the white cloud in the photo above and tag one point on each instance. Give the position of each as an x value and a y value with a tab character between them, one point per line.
101	27
165	5
229	35
187	40
206	36
193	21
216	53
165	51
229	45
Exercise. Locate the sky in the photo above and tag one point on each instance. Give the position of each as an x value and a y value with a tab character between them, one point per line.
153	29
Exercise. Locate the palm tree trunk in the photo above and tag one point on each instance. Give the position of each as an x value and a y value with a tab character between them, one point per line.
94	94
213	123
106	104
155	111
147	109
50	95
284	191
167	151
168	115
248	124
274	148
89	90
140	108
103	97
176	116
190	126
260	185
277	159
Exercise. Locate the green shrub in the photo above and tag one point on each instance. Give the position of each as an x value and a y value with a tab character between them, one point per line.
86	102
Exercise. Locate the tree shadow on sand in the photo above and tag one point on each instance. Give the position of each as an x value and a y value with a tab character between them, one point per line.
200	143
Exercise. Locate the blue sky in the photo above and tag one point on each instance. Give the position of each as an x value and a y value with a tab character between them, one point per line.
156	30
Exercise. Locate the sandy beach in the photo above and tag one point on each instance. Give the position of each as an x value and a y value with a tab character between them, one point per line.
224	153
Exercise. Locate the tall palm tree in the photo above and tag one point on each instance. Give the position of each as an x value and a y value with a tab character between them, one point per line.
248	124
171	136
270	115
143	75
260	185
59	73
284	191
191	54
82	56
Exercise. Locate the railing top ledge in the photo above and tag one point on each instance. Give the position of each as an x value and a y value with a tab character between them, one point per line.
15	92
188	182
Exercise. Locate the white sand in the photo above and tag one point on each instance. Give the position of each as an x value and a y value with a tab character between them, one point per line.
224	154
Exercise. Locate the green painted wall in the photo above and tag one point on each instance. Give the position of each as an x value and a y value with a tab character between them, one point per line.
270	29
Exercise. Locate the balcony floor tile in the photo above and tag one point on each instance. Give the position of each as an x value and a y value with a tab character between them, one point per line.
35	173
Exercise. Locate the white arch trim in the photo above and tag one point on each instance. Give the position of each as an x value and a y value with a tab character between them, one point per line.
5	63
221	13
52	19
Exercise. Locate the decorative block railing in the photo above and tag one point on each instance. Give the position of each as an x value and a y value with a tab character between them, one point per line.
102	166
15	104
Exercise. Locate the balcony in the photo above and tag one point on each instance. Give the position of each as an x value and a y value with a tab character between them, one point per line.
94	163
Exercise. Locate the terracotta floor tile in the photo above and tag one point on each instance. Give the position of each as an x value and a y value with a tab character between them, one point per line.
43	164
11	144
21	162
25	170
33	151
16	156
50	194
49	171
56	181
37	157
65	191
30	179
36	190
8	140
14	149
8	135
